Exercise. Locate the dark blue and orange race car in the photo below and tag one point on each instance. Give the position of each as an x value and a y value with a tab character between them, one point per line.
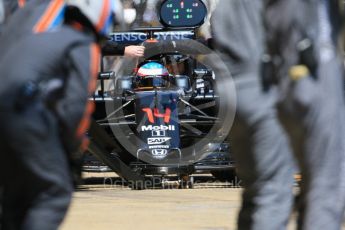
163	114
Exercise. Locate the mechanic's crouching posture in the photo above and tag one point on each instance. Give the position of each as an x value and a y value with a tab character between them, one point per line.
263	157
46	79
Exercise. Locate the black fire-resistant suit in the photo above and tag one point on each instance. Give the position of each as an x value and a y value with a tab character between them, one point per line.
12	5
263	158
2	14
37	16
311	105
45	81
9	7
311	108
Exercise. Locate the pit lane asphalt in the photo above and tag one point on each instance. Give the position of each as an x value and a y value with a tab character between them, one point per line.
103	204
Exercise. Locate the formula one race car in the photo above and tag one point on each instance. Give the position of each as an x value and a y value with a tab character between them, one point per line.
163	114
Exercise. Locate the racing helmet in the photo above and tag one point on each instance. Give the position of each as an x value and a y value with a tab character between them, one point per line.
152	74
101	13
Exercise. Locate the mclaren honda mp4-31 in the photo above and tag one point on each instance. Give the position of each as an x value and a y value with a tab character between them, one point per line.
169	112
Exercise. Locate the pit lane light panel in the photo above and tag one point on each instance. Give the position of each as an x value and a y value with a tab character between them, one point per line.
182	13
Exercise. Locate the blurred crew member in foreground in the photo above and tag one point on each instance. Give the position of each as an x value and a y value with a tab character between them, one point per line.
10	6
46	79
263	157
37	16
307	66
304	61
2	14
33	12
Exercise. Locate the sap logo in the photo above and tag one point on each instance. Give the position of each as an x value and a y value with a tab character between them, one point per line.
158	128
157	141
159	152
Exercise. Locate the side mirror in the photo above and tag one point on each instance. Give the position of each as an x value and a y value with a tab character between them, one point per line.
106	75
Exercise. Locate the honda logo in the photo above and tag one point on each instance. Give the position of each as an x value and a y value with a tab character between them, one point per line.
159	152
